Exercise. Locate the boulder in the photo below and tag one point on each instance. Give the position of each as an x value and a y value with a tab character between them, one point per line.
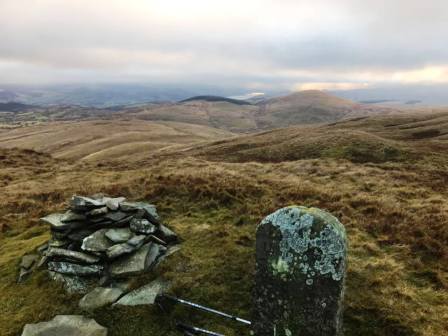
137	263
96	242
74	269
72	255
119	235
142	226
100	297
66	325
145	295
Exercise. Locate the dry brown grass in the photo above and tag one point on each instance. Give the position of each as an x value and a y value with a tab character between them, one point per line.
395	212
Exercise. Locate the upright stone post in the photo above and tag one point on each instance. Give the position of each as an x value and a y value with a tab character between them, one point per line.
300	273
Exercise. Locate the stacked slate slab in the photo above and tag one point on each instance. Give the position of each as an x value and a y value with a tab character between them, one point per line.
99	240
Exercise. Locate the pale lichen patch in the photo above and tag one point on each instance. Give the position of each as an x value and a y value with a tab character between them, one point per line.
316	236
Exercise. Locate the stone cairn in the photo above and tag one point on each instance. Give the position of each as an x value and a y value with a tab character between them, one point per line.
300	273
101	241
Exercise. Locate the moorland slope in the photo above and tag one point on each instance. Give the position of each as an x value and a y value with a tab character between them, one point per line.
213	194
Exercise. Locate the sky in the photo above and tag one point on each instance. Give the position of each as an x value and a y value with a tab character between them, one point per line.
252	44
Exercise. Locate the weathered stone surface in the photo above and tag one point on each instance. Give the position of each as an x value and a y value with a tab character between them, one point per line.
145	295
98	212
96	242
113	203
81	203
137	240
66	325
71	216
300	272
56	223
74	269
116	216
100	297
72	255
119	235
166	234
166	252
149	209
28	261
142	226
72	283
136	263
23	274
118	250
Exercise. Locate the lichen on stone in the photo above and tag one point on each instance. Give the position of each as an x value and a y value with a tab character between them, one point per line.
315	236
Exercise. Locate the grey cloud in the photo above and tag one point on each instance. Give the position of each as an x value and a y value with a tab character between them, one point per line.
56	40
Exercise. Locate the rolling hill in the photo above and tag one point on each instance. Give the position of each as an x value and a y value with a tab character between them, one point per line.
301	108
363	139
106	139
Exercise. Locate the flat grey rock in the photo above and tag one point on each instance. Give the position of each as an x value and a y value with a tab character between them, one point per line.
74	269
71	216
149	209
138	240
113	203
166	234
100	297
28	261
73	284
65	325
145	295
116	216
56	223
96	242
119	235
118	250
137	263
99	211
81	203
142	226
72	255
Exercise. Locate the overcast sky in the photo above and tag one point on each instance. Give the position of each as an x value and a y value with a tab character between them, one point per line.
252	44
